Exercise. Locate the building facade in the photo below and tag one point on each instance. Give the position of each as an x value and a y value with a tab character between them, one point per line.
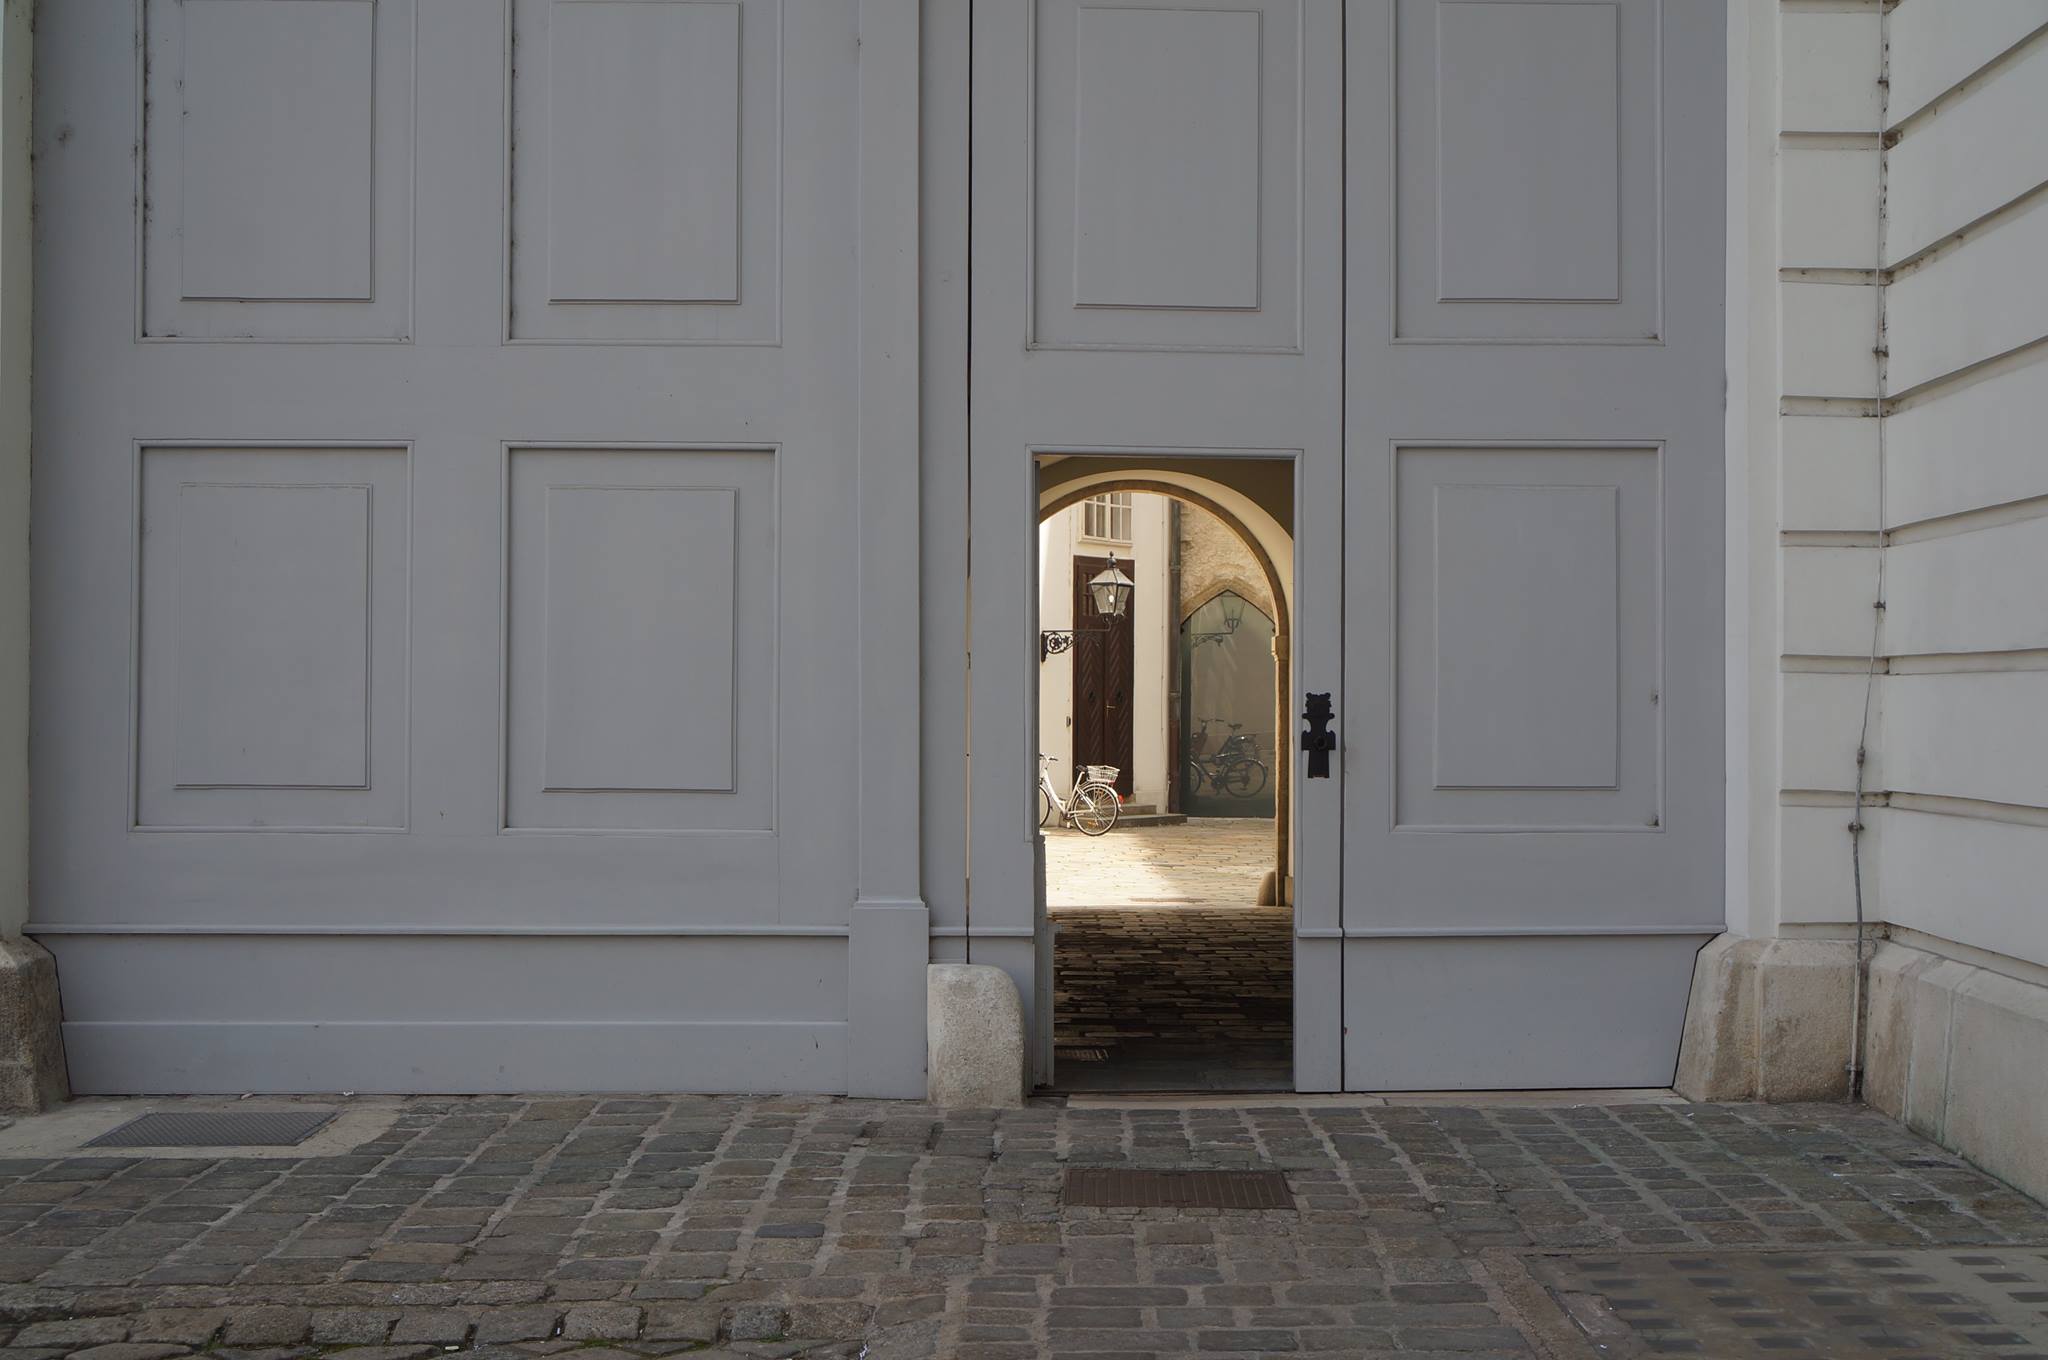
518	558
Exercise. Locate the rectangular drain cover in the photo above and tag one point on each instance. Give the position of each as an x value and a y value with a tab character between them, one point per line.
216	1128
1115	1187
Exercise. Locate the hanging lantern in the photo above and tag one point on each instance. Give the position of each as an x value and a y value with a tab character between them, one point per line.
1111	590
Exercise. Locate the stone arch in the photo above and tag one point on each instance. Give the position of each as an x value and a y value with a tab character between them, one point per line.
1272	547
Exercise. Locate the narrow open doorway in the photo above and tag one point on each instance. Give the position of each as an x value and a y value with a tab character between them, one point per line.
1161	674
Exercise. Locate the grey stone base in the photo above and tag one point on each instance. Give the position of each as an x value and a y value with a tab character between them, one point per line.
31	1044
1768	1020
1957	1052
974	1026
1960	1054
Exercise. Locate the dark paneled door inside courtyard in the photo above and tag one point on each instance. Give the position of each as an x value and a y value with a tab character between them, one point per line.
1105	662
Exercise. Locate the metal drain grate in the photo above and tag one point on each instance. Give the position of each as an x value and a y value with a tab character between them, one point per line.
216	1128
1116	1187
1080	1055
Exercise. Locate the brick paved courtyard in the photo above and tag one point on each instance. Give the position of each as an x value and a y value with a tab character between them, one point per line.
778	1227
1215	861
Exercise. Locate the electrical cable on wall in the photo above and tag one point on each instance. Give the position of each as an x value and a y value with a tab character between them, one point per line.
1881	352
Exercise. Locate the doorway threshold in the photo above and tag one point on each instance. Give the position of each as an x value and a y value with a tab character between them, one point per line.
1215	1100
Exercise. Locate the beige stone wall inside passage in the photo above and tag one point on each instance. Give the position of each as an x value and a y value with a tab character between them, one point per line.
1213	559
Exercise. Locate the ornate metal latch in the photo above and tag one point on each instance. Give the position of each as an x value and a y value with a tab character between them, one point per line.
1317	739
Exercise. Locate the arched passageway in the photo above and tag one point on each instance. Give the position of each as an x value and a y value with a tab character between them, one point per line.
1071	481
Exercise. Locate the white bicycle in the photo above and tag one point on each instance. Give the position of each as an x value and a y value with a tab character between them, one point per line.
1091	807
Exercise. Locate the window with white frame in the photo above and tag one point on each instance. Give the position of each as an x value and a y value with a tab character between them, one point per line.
1107	517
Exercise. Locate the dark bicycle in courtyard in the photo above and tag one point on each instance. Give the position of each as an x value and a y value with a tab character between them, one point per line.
1233	768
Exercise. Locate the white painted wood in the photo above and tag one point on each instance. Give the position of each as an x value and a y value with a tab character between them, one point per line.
1986	296
200	1058
1201	398
1164	175
278	149
1823	717
1973	156
1578	938
1828	598
889	941
1975	445
641	607
273	189
267	607
637	621
1973	735
1528	106
1524	585
453	423
647	158
271	621
1830	339
945	62
1828	209
1828	472
1525	187
643	151
1969	592
1528	625
1936	44
287	979
1614	995
17	230
1166	148
1829	70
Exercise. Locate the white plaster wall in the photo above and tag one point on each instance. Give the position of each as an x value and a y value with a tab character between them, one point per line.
1966	473
14	461
1814	236
1059	540
1911	344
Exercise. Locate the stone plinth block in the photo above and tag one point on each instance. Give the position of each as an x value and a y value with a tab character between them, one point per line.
974	1027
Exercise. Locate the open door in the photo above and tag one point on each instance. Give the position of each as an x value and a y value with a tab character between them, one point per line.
1156	243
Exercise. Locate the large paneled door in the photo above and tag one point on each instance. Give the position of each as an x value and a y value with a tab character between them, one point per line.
447	604
1156	244
1460	263
1532	492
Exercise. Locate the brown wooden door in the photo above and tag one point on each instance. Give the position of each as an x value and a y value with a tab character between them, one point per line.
1105	657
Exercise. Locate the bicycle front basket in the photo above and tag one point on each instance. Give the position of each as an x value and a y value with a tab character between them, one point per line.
1100	774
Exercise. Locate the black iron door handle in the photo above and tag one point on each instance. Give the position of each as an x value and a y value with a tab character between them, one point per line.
1317	739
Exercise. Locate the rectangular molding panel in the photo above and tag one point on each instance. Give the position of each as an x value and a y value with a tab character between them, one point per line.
276	198
645	167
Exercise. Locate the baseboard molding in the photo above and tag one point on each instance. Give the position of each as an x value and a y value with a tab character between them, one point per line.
721	1057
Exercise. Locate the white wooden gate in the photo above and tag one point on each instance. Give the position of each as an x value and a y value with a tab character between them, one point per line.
1508	458
450	442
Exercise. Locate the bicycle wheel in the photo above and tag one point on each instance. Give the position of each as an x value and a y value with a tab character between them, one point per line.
1196	774
1245	778
1044	806
1094	809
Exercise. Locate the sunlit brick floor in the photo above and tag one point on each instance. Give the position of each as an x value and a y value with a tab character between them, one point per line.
809	1226
1206	860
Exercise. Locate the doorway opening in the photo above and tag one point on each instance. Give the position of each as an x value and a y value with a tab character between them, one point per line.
1164	598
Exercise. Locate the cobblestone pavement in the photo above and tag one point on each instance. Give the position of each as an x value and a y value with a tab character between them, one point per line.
1204	861
778	1227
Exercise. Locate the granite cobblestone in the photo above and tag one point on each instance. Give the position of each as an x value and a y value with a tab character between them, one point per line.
777	1227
